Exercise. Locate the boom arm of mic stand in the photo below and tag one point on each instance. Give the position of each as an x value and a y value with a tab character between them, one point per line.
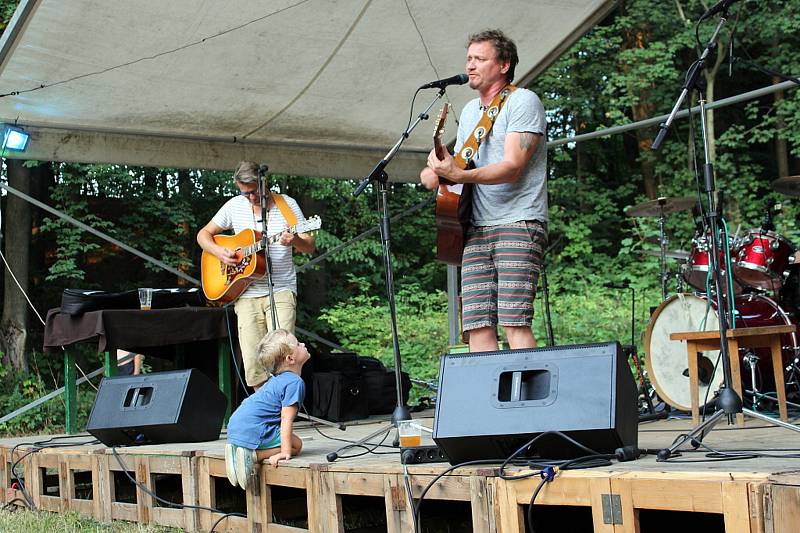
691	80
378	171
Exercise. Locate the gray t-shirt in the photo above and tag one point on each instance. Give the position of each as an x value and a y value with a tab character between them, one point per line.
525	199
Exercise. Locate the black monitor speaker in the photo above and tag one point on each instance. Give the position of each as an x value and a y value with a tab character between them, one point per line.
157	408
492	403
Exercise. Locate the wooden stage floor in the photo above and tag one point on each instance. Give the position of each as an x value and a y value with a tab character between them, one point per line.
308	493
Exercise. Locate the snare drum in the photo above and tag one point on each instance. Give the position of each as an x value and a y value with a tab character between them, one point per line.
695	271
666	360
761	259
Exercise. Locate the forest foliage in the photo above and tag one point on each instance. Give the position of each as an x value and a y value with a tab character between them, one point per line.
629	67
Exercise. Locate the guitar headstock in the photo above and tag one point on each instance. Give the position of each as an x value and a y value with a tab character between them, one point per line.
438	130
308	225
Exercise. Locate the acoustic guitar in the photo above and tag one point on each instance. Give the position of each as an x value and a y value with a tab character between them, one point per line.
453	205
225	283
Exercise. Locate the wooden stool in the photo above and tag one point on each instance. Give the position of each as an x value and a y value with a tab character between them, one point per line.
760	337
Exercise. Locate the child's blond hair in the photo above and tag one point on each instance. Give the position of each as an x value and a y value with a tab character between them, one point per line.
273	349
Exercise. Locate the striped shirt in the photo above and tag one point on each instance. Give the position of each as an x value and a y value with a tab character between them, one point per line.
237	214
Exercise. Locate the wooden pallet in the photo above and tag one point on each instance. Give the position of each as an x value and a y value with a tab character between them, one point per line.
761	497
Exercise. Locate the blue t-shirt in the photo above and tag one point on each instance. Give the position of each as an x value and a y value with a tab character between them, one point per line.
257	420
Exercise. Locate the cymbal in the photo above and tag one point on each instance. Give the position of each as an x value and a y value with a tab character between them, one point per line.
669	254
788	185
654	208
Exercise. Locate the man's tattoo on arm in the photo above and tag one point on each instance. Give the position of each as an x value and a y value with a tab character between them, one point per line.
525	141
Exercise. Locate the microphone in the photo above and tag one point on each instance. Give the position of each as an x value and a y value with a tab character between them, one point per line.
721	6
459	79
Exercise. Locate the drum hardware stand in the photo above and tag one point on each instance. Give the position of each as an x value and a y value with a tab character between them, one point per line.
728	401
630	352
662	239
751	360
380	177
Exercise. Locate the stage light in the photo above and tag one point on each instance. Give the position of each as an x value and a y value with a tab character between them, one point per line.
15	139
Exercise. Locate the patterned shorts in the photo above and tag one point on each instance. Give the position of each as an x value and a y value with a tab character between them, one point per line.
499	273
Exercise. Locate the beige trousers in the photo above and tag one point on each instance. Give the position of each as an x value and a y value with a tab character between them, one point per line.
254	317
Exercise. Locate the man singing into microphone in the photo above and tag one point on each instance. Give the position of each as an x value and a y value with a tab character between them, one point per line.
504	246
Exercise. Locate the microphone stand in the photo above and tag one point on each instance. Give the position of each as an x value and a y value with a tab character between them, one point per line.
728	401
378	175
262	192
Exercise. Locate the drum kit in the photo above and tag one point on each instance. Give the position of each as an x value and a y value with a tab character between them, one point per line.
760	267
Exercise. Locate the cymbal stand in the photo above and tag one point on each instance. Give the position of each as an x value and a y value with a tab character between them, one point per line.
728	401
662	239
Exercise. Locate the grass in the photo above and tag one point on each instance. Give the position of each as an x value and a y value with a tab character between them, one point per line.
25	521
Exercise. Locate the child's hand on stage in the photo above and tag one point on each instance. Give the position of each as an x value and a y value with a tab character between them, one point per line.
273	460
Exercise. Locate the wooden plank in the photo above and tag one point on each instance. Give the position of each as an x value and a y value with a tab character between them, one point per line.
358	484
144	502
66	494
508	513
399	512
597	488
33	478
453	488
310	501
254	496
785	508
736	507
205	492
737	333
667	495
189	485
285	477
103	488
5	477
481	505
327	510
757	509
630	515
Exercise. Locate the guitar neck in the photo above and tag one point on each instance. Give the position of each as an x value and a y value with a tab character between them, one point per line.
259	245
439	148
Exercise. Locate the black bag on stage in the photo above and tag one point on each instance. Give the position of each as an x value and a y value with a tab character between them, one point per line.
338	396
78	301
337	362
380	386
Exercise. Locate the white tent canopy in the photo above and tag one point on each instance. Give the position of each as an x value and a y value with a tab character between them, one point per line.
312	87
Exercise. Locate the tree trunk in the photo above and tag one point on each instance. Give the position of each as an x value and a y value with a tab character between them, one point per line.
187	240
781	148
17	226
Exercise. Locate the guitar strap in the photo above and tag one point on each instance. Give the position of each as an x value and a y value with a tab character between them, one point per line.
471	144
285	210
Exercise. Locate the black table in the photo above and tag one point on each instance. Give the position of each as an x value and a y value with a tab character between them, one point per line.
136	330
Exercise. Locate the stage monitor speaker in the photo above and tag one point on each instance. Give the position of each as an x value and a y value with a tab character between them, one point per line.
175	406
491	403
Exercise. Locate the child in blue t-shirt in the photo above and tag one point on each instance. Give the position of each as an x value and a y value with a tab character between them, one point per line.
261	427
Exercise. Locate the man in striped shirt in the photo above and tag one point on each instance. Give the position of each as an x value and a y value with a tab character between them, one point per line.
253	308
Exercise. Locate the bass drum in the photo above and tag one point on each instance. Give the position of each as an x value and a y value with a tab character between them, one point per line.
666	360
